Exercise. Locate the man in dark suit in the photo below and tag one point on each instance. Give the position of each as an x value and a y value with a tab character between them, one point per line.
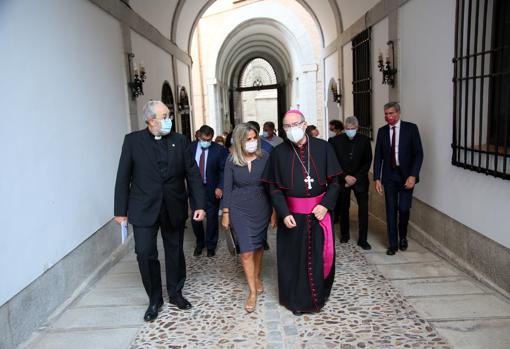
150	191
354	153
210	158
397	162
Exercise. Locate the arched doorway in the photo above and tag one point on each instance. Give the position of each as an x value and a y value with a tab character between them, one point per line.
184	113
167	97
257	94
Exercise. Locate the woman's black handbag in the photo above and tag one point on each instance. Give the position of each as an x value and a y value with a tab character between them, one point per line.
232	244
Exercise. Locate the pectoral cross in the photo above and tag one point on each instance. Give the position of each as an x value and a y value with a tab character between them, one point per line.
309	180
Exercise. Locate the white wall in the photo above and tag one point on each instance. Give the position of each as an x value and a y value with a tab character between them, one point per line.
478	201
352	10
157	12
158	67
348	100
64	107
380	92
333	109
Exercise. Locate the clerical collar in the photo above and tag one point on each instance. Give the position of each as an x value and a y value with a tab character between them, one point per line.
155	137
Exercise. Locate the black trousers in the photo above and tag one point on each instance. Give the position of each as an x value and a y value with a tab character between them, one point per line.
208	237
147	256
398	204
344	206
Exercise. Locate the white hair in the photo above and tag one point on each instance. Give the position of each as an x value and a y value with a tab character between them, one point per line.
148	109
351	120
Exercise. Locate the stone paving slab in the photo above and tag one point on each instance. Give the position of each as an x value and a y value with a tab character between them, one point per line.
104	339
438	286
486	334
113	296
418	270
364	311
113	316
400	258
464	306
115	280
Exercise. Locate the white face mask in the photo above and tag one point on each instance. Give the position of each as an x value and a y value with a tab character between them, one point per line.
251	146
295	134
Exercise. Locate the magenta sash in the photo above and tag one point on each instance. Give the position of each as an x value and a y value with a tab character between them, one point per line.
306	206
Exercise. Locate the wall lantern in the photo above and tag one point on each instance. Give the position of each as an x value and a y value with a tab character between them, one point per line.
337	94
388	71
137	77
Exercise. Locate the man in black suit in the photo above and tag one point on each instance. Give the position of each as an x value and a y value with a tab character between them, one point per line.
210	158
397	162
150	191
354	153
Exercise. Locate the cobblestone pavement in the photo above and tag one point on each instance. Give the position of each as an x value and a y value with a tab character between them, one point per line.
364	310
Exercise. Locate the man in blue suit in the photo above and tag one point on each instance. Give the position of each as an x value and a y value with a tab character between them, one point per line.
210	158
397	162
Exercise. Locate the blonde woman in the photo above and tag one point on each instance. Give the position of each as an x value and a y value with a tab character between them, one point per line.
246	206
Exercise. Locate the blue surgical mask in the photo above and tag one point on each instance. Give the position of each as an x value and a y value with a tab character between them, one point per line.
350	133
205	144
166	126
264	134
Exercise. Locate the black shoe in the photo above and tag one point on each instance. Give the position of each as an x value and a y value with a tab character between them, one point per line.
403	244
344	240
297	312
152	311
211	253
266	245
181	302
391	251
364	245
198	251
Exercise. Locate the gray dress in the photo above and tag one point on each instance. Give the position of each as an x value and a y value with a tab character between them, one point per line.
246	198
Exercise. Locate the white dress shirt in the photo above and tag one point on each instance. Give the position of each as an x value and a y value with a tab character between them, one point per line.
197	159
397	138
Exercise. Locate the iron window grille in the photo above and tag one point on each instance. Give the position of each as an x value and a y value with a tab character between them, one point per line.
481	87
362	82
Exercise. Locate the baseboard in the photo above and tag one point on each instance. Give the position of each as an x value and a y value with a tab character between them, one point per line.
32	307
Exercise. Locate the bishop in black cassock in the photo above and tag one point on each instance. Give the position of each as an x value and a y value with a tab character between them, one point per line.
302	175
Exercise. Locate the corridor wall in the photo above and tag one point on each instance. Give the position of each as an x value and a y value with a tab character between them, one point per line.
64	117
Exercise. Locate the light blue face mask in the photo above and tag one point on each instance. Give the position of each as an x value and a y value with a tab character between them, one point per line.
205	144
166	126
350	133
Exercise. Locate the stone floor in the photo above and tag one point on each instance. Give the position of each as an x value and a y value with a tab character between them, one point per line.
411	300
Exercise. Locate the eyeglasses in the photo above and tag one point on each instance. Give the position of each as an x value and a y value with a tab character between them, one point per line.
294	124
166	116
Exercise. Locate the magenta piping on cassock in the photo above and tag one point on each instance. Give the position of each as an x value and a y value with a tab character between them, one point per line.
306	206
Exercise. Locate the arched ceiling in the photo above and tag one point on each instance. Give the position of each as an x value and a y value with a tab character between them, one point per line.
325	14
257	37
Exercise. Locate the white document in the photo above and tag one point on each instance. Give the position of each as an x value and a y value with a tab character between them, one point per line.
124	231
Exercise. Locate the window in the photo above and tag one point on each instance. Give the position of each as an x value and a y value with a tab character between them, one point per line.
362	82
258	72
481	122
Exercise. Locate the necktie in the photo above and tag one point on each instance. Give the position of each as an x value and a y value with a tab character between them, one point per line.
393	143
201	165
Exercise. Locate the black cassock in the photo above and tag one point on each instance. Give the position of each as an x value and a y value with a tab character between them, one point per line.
302	285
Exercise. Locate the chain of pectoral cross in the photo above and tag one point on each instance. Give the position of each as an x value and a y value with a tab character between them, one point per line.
308	180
